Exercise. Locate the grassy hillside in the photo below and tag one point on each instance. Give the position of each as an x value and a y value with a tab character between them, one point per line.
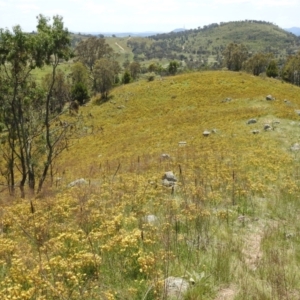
228	227
202	47
207	44
180	108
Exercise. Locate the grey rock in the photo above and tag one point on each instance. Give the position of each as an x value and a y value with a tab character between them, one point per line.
287	102
169	176
77	182
255	131
270	98
251	121
169	179
267	127
182	143
175	287
166	182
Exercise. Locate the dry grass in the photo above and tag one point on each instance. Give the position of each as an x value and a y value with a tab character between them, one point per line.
229	225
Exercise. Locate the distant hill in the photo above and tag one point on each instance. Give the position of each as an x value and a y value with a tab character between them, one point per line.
201	47
205	46
179	30
294	30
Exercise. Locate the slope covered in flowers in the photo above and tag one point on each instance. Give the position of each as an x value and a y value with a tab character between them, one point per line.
95	241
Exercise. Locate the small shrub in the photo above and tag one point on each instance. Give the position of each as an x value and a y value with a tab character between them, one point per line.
126	77
80	93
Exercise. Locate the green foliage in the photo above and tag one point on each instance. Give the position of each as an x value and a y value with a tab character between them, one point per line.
80	93
258	63
272	69
153	67
173	67
104	75
291	69
151	78
60	90
29	110
234	56
135	69
92	49
126	77
79	73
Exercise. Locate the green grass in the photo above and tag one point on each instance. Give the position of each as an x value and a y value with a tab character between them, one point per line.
39	74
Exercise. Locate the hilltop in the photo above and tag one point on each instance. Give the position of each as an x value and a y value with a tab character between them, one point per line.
155	116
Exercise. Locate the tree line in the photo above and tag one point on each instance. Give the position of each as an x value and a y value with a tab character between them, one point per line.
237	58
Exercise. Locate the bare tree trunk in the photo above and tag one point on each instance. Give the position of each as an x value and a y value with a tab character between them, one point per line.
48	133
11	175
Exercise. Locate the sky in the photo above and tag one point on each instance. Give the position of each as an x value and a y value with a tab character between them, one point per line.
146	15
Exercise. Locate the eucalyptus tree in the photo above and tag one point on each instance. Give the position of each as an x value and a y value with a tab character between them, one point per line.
31	143
291	69
92	49
79	74
101	61
234	56
272	69
135	69
258	63
103	76
173	67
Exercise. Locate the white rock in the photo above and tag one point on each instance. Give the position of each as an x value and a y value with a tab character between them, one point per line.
175	287
76	182
270	97
150	219
295	147
206	133
169	176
